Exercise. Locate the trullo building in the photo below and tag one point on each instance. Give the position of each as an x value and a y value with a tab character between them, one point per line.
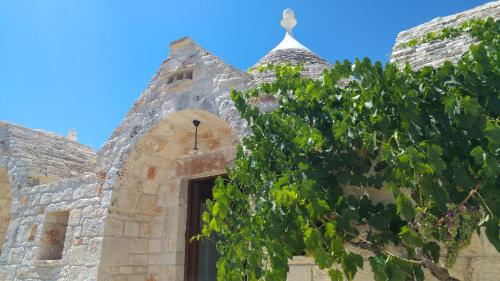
123	213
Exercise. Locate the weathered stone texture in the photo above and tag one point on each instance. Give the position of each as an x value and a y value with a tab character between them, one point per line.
437	52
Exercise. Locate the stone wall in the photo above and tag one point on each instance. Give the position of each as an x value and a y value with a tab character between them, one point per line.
23	252
29	160
435	53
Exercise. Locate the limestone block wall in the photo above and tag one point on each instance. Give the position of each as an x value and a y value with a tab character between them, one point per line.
24	255
303	269
435	53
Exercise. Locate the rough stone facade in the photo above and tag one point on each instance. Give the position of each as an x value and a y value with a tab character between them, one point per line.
437	52
120	214
21	256
29	159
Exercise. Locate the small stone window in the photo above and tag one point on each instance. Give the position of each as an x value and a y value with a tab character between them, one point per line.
188	75
53	235
180	75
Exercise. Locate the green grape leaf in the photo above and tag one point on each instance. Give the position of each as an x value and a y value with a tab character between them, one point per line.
493	233
478	154
410	237
378	222
377	264
337	246
433	250
336	275
418	273
492	133
393	271
312	238
351	263
323	259
405	206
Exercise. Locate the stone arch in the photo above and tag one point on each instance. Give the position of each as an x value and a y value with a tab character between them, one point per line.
5	205
145	228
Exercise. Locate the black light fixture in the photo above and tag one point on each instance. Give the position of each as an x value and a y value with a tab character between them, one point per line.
196	123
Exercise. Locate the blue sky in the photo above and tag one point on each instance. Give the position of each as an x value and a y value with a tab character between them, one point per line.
82	63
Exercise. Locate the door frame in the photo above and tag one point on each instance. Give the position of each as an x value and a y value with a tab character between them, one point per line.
195	197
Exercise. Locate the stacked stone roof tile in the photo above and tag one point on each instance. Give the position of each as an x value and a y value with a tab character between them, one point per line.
39	157
312	63
436	52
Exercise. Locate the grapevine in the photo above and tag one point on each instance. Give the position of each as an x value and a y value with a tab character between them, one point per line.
430	138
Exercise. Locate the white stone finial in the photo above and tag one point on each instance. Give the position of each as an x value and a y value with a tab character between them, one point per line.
288	22
72	135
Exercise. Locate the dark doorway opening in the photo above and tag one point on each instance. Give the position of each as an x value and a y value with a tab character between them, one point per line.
201	256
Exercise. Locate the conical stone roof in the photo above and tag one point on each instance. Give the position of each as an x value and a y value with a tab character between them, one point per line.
290	51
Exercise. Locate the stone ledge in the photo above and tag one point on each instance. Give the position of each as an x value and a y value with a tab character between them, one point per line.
49	263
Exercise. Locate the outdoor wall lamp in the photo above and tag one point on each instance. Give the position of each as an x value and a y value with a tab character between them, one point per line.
196	123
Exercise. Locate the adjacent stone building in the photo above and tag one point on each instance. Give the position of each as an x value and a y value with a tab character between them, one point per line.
122	213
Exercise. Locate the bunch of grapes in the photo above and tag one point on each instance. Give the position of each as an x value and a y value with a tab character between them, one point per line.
454	229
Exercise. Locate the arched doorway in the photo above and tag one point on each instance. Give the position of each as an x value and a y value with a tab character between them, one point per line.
146	226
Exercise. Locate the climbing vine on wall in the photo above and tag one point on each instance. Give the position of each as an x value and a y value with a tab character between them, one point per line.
430	138
471	27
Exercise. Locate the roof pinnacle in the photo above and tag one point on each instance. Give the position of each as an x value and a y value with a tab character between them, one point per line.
288	22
